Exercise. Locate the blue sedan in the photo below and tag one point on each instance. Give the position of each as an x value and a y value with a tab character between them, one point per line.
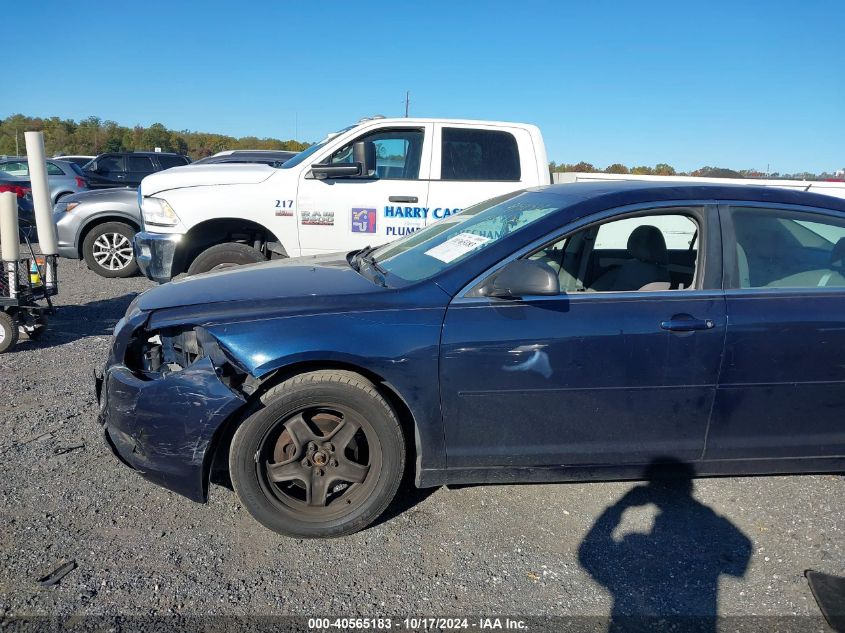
572	332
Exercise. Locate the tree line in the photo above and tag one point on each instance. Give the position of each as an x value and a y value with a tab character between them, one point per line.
94	136
663	169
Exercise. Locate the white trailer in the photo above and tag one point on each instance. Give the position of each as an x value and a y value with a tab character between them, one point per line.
823	187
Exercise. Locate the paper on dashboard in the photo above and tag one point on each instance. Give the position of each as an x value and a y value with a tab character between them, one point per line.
456	246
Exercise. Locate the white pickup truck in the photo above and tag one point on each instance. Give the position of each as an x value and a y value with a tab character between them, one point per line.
364	185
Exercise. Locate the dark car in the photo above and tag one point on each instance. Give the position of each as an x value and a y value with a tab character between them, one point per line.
572	332
23	191
128	169
271	157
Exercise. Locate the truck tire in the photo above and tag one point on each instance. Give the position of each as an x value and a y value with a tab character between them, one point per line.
226	255
323	457
107	249
8	331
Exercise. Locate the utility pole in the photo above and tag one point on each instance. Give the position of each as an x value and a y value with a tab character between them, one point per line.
407	102
17	149
296	126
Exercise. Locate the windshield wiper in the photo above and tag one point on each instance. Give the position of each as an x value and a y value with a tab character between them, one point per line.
364	255
356	259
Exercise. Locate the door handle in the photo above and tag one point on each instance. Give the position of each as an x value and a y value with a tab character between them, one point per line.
409	199
685	323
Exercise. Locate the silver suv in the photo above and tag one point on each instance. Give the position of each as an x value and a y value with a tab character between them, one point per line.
98	226
63	177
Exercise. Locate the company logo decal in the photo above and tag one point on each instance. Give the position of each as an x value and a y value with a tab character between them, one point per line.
363	220
317	218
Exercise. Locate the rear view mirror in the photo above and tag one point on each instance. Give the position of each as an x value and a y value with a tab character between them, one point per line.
363	164
523	278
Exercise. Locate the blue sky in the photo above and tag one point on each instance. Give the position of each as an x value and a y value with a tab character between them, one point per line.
738	84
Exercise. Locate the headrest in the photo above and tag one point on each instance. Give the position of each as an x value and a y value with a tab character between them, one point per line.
647	244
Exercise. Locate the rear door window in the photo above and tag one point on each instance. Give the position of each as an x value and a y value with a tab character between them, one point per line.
478	155
143	164
167	162
780	248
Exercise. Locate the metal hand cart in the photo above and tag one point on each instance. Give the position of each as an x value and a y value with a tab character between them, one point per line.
25	290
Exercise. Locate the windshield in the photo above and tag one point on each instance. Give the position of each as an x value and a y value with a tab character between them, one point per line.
307	153
446	243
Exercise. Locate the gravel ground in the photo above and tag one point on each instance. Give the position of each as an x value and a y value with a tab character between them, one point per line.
142	550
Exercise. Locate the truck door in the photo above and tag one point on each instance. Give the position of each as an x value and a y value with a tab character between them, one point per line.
338	214
472	163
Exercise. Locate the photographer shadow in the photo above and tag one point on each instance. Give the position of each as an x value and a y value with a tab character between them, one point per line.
669	576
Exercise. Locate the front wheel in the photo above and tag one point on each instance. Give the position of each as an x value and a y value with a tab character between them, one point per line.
323	457
222	256
107	249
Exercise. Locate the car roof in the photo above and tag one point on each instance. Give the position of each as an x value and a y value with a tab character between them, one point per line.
141	153
633	192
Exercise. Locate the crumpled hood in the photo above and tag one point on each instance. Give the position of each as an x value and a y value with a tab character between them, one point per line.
200	175
322	276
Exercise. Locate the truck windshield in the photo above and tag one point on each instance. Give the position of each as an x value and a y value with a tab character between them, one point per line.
307	153
444	244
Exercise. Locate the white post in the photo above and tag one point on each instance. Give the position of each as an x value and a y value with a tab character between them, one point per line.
37	161
10	245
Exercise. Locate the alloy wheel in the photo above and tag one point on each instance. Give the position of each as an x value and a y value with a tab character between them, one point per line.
321	461
112	251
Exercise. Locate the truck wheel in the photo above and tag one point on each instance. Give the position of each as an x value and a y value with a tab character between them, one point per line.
323	457
222	256
107	249
8	331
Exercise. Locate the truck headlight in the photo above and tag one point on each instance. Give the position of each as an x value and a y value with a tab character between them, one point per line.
158	212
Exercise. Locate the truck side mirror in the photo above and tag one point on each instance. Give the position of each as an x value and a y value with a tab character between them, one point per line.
364	153
363	164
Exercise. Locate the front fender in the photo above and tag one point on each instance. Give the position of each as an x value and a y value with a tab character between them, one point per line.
399	346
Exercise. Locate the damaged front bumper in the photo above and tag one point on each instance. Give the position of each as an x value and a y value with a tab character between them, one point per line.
164	424
155	254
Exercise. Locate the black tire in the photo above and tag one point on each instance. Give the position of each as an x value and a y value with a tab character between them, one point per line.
8	331
265	444
225	255
107	249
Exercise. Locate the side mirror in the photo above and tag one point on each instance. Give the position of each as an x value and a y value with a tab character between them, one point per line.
363	164
364	154
523	278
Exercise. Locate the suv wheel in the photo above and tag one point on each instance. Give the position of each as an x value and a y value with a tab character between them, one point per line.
323	457
226	255
107	249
